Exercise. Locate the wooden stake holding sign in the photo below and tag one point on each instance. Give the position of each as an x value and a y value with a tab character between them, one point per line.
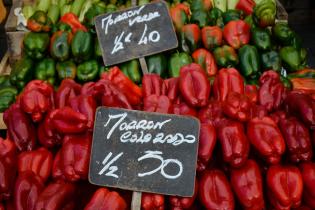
137	150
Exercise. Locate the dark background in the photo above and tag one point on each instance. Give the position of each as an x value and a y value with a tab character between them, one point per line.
301	18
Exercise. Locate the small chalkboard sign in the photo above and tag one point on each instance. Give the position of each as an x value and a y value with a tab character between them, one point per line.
135	33
142	151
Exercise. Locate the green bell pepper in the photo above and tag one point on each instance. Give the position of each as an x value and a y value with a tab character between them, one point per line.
7	97
66	69
132	70
46	70
54	13
286	82
261	38
291	58
249	61
81	46
215	17
200	5
157	64
111	8
283	33
271	60
21	73
88	71
5	81
225	56
97	48
250	21
60	45
36	44
232	14
96	9
296	41
201	18
265	13
177	61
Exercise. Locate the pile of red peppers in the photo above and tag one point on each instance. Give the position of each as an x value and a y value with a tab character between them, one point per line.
255	144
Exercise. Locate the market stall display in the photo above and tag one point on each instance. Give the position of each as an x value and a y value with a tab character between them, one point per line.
240	72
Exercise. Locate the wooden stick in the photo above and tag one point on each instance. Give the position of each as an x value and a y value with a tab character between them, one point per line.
136	201
3	64
133	3
144	66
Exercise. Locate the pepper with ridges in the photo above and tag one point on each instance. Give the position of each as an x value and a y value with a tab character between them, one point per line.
35	44
45	70
249	61
21	73
177	61
88	71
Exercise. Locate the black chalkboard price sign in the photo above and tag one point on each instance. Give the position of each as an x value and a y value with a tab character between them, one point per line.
135	33
142	151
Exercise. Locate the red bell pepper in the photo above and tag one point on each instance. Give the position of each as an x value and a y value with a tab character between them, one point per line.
234	143
37	98
8	168
308	175
265	136
73	21
196	94
172	88
237	106
212	37
236	33
20	128
212	113
257	111
2	207
180	15
247	184
206	60
155	103
38	161
153	84
271	92
246	6
182	108
88	89
152	201
251	92
27	189
297	139
302	106
182	203
227	80
278	115
132	91
68	89
57	168
103	199
86	105
75	156
190	36
215	191
285	186
56	196
207	141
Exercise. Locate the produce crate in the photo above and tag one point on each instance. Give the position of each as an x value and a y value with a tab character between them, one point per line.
5	69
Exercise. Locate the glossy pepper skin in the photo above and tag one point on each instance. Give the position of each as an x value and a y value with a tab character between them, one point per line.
181	203
283	33
297	139
28	187
182	108
285	186
227	80
215	16
195	94
236	33
60	45
172	88
207	141
247	183
215	191
21	73
232	14
212	37
247	6
7	97
249	61
291	58
88	71
261	38
56	196
271	60
308	174
157	103
212	113
132	70
225	56
237	106
82	46
103	199
68	89
271	91
39	22
95	10
8	167
177	61
205	59
180	15
265	136
200	17
251	92
157	64
153	84
265	13
66	70
45	70
152	201
73	21
190	38
234	143
124	84
20	128
38	161
35	44
37	99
